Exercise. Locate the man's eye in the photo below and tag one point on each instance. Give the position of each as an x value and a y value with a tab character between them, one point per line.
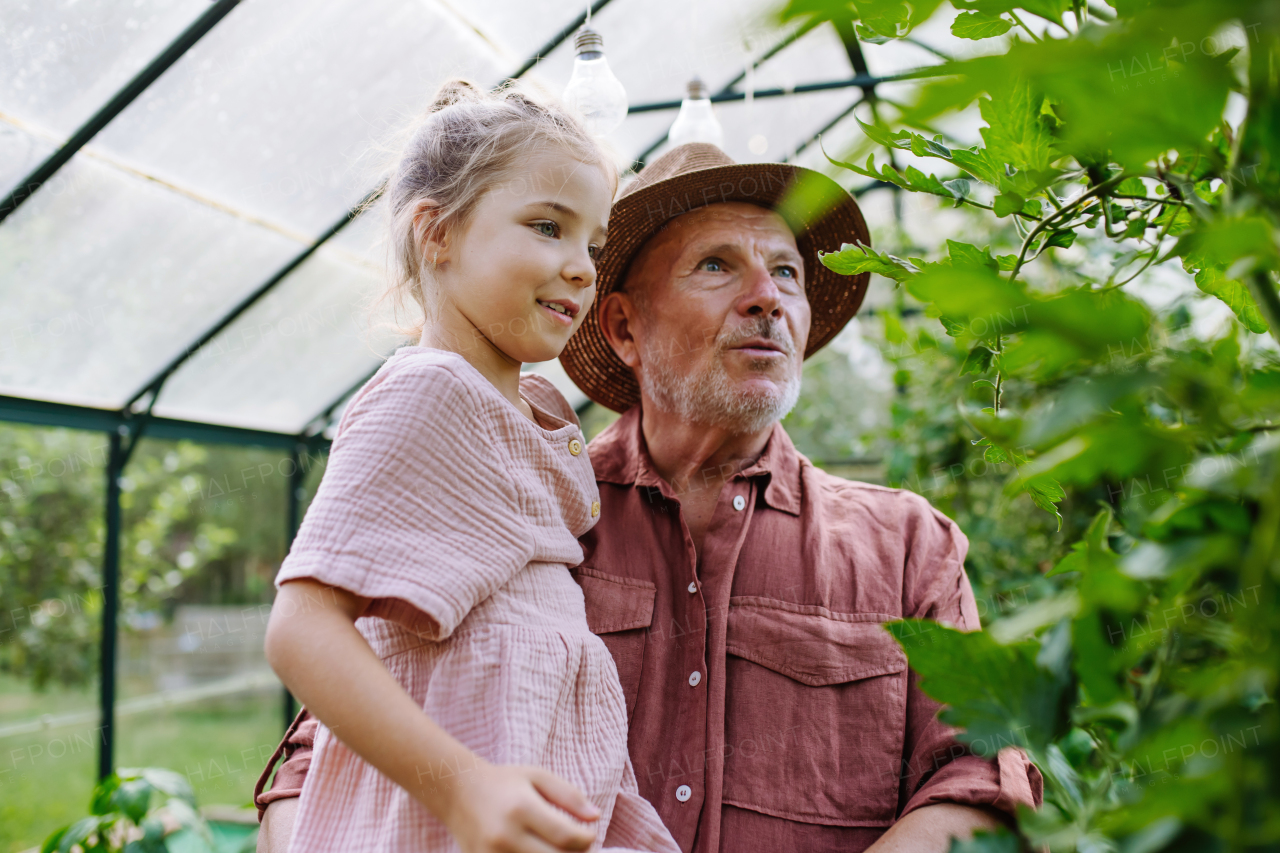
788	272
712	265
547	227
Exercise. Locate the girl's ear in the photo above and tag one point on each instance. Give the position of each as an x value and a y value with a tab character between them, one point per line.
428	232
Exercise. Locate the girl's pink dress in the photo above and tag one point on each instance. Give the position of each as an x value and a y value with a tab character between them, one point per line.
458	517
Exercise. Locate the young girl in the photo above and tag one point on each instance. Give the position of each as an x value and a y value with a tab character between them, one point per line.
426	615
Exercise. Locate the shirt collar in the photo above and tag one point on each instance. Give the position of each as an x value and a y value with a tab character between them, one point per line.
620	456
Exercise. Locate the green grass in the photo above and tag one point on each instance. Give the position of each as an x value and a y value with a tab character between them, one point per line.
46	778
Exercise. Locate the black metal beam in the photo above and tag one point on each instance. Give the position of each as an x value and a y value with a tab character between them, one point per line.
154	384
861	81
156	381
841	116
47	414
728	87
110	608
558	39
135	87
853	49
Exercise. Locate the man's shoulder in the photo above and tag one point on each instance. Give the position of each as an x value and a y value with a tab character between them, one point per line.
902	509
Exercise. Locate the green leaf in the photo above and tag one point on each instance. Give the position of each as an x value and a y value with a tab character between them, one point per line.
133	797
978	360
52	843
1015	133
979	25
1046	493
900	140
80	831
978	300
922	147
1006	263
1008	203
1235	294
997	693
967	254
1060	239
978	163
854	259
1132	186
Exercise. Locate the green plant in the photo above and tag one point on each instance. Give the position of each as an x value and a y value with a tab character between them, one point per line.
132	811
1141	675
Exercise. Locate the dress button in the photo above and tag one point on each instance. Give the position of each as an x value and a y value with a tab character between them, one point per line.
739	502
683	793
575	446
694	678
595	508
693	587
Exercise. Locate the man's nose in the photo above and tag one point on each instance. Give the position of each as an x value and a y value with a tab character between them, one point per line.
760	293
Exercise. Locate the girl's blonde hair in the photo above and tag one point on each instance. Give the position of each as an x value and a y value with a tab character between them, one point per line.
467	142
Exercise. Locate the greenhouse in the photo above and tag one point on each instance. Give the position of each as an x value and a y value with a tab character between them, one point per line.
1065	342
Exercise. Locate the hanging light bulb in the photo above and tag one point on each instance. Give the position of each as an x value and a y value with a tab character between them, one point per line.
593	90
696	121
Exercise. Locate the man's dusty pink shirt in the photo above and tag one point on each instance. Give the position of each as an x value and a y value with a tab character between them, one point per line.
769	709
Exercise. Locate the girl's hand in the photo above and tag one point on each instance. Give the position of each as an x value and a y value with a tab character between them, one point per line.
503	809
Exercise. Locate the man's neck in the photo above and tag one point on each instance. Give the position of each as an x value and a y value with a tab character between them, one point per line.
694	457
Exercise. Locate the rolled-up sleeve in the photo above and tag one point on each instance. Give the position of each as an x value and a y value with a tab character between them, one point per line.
937	768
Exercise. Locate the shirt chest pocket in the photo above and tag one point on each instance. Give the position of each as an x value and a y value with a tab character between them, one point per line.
620	611
815	713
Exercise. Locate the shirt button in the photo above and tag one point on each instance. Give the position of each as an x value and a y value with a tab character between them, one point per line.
739	502
693	587
575	446
595	508
694	678
683	793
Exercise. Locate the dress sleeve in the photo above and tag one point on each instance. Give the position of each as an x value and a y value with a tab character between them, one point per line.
936	767
415	510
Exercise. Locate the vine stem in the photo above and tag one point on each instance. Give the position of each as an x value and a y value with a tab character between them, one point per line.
999	377
1025	28
1057	215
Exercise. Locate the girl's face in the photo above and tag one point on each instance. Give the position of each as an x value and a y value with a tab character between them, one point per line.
521	276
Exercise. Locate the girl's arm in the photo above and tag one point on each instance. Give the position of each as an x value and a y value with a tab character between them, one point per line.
313	645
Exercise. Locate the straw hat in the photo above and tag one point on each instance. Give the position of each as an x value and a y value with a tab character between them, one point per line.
822	215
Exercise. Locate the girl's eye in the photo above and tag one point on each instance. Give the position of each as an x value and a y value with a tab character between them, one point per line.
593	251
547	227
712	265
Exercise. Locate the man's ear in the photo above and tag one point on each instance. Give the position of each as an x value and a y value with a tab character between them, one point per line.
428	232
618	318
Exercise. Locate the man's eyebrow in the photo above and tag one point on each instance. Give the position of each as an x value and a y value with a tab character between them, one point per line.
733	248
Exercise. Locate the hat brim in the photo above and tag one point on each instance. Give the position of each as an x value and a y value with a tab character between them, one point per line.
821	213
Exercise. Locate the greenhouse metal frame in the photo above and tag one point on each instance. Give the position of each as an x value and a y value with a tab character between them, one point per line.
141	415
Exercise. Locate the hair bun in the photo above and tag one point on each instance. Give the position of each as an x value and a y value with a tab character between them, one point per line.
455	91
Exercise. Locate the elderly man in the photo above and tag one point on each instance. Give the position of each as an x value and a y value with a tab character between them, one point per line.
740	589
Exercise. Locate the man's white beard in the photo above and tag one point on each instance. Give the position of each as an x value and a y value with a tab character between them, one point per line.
710	397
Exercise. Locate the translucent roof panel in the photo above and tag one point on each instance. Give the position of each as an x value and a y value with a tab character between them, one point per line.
20	152
64	59
273	109
289	357
655	47
108	276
